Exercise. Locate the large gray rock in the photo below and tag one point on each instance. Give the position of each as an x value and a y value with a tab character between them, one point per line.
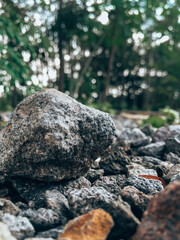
52	137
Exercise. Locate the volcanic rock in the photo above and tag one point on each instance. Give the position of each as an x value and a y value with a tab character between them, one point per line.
161	220
86	199
52	137
153	149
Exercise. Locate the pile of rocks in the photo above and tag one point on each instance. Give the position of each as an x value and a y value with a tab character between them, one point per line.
67	173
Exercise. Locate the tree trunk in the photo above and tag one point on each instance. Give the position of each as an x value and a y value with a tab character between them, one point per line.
86	66
60	80
109	73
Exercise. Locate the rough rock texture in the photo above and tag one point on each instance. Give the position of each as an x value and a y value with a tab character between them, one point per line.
5	234
93	225
110	183
135	136
136	199
53	137
161	220
173	144
148	186
42	218
53	232
7	206
153	149
136	169
20	227
86	199
59	203
173	158
114	162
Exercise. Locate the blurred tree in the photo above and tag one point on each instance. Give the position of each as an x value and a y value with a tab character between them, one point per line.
21	42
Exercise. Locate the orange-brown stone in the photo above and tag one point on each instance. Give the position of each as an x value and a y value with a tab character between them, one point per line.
93	225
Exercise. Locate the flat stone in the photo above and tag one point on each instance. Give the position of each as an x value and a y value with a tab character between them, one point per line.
161	220
20	227
52	233
93	225
51	137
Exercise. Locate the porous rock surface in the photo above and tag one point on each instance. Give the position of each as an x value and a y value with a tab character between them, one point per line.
161	220
52	137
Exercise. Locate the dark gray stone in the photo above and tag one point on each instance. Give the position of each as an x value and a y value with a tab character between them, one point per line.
94	174
172	157
110	183
135	136
59	203
175	177
42	218
51	137
173	144
53	233
114	162
20	227
153	149
148	186
148	130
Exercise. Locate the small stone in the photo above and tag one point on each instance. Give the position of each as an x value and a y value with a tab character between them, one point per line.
110	183
173	171
148	186
93	225
175	178
136	199
148	130
53	233
59	203
114	162
42	218
153	149
5	234
161	220
20	227
37	238
172	157
135	169
173	144
7	206
135	136
94	174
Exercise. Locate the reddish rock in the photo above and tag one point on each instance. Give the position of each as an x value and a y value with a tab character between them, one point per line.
161	220
93	225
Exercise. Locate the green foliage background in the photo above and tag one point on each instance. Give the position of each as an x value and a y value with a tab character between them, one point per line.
130	61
